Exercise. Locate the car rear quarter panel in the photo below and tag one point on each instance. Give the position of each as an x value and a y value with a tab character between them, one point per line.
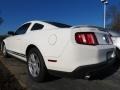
51	43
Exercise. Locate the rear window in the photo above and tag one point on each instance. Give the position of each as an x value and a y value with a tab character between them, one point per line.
60	25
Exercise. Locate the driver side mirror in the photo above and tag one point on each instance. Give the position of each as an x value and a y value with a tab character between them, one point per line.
11	33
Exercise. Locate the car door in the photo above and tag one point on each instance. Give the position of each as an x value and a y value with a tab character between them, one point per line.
17	41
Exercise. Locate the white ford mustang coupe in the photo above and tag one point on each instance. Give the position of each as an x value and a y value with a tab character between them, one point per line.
56	47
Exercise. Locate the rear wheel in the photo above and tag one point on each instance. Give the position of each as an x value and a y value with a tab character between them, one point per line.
36	66
118	53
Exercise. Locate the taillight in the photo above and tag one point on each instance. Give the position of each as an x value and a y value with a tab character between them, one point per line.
87	38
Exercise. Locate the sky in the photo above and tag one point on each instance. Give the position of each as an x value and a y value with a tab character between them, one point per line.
73	12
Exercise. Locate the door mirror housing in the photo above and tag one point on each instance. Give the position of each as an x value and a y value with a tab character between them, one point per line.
11	33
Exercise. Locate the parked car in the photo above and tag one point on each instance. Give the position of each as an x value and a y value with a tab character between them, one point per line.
115	35
55	47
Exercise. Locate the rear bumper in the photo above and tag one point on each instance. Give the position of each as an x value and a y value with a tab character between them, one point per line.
91	69
82	71
80	55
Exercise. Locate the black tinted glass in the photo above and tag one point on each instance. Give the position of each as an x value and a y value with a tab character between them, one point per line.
22	29
37	27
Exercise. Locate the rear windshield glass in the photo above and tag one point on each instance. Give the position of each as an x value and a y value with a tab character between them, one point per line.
60	25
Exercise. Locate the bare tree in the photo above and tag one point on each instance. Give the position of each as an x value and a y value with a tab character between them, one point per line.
113	17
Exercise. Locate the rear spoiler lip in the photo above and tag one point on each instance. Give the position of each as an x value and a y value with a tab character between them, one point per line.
90	26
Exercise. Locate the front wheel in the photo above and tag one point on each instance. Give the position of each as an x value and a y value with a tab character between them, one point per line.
4	51
36	66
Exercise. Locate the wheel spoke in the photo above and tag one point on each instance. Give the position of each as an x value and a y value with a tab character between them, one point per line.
37	69
30	66
34	71
32	56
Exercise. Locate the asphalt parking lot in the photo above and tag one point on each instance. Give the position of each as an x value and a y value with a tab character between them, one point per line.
108	79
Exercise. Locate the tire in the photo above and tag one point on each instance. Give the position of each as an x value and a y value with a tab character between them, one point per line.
36	66
4	51
118	53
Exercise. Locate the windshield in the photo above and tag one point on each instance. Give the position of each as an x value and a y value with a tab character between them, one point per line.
60	25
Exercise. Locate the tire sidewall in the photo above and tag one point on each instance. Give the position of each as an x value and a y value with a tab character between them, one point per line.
4	47
118	54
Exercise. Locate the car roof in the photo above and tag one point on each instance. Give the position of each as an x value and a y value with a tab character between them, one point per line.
46	25
36	21
52	23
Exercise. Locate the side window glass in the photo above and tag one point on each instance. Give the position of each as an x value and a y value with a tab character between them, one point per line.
22	29
37	26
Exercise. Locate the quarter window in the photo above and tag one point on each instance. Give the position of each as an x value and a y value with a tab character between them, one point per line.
37	26
22	29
